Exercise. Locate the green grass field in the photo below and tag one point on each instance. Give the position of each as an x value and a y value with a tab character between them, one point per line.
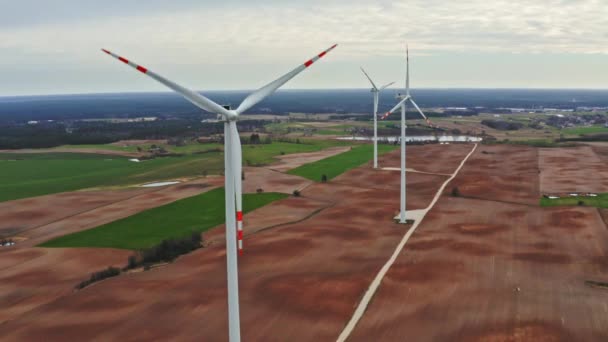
148	228
338	164
28	175
585	130
601	201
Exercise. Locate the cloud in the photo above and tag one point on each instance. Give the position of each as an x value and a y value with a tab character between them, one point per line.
269	34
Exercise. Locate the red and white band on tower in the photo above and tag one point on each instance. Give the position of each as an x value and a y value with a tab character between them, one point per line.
239	235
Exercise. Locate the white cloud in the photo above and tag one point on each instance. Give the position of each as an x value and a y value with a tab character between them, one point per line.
271	35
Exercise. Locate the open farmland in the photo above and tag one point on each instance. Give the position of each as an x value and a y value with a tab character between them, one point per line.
302	232
34	174
579	169
338	164
26	281
148	228
585	130
490	263
599	201
28	175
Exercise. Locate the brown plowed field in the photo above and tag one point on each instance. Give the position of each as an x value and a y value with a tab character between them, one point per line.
500	173
298	281
271	181
495	272
291	161
17	217
578	169
42	218
490	269
32	277
432	158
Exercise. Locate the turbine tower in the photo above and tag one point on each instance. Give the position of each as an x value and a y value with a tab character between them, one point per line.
403	104
376	93
233	166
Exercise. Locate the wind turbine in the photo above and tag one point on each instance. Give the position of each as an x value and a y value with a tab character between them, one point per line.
376	93
403	104
233	166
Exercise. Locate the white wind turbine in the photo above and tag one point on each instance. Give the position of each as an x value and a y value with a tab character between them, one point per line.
376	93
233	165
403	104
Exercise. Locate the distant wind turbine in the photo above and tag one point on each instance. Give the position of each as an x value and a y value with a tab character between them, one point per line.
403	104
376	93
233	166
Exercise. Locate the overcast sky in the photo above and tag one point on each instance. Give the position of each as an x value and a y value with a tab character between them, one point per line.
53	46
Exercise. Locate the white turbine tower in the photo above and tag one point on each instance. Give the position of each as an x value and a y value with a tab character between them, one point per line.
233	165
376	93
403	104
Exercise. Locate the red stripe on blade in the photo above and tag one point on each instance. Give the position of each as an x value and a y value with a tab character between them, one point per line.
123	60
322	54
240	235
142	69
106	51
309	63
239	216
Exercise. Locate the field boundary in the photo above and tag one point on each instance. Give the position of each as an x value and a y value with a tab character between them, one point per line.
375	284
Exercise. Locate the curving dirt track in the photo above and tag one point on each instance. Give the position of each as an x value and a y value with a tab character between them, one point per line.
578	169
299	281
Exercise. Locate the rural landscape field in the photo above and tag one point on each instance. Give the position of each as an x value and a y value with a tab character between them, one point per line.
304	171
502	231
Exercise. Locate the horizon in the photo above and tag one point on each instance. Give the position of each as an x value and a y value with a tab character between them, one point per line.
169	92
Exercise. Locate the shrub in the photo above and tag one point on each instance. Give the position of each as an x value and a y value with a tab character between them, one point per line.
259	190
296	193
132	262
169	250
98	276
581	203
455	192
323	178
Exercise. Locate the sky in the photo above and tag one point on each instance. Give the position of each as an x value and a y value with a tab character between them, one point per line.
53	46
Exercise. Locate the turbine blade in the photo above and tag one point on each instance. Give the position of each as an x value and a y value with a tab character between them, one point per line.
369	78
397	106
238	183
271	87
428	122
418	109
195	98
386	85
